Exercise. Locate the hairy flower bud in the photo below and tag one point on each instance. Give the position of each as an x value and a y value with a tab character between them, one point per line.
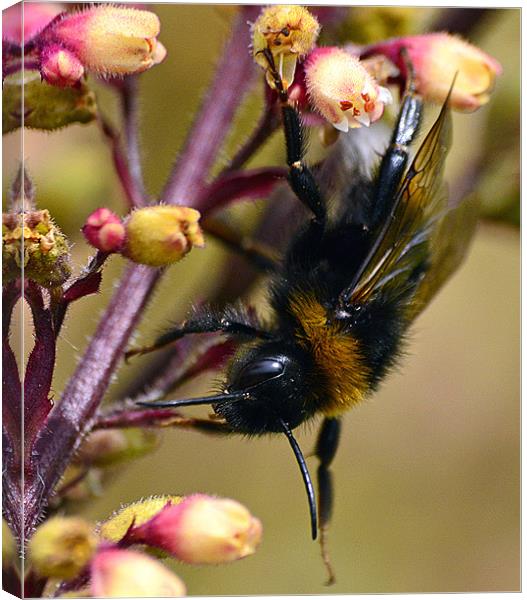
108	447
31	238
436	59
60	67
110	40
126	573
202	530
104	230
137	513
161	235
289	32
62	546
342	90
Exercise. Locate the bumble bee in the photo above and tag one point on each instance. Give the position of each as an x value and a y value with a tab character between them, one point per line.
349	286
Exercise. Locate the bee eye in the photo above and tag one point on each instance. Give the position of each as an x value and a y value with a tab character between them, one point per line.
259	371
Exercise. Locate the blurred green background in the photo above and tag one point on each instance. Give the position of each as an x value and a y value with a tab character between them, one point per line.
427	476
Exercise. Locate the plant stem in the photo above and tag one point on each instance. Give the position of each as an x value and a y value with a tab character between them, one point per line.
233	77
130	110
72	417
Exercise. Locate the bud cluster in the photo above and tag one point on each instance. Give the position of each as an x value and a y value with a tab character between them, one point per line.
31	239
197	529
156	235
104	39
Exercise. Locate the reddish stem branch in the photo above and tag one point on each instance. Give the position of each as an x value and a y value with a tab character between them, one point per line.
72	417
133	195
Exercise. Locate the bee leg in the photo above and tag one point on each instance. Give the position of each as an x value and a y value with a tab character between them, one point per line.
301	178
326	448
259	255
206	322
395	159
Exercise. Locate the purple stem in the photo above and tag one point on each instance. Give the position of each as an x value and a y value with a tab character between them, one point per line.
133	195
130	111
72	417
234	74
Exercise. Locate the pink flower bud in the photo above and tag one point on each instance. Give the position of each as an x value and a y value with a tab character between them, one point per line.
342	90
36	16
127	573
202	530
60	67
436	58
111	40
104	230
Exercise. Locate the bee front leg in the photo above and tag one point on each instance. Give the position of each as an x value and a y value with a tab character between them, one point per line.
326	448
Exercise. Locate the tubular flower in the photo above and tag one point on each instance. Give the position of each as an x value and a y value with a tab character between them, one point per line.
289	32
162	235
202	530
342	90
119	573
110	40
436	59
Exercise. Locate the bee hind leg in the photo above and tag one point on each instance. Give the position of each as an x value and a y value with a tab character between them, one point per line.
326	448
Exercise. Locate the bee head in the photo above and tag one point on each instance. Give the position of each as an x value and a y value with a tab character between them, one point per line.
273	381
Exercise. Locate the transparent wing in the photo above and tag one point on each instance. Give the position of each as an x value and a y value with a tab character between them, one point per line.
419	229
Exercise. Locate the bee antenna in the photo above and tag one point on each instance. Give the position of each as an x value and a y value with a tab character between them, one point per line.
305	476
194	401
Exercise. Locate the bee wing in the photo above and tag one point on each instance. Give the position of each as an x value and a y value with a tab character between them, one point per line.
413	229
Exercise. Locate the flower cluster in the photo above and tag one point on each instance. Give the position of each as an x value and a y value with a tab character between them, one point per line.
197	529
342	85
157	235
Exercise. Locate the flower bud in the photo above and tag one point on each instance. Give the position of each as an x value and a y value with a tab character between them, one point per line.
104	230
108	447
436	58
110	40
31	238
62	546
115	528
126	573
161	235
289	32
60	67
202	530
342	90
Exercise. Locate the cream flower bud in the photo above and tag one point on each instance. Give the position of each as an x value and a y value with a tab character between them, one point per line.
342	90
203	530
61	547
111	40
436	59
119	573
137	513
289	32
162	235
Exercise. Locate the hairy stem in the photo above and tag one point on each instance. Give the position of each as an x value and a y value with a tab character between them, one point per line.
72	417
130	110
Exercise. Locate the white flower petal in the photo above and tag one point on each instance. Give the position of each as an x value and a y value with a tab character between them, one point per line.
342	125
